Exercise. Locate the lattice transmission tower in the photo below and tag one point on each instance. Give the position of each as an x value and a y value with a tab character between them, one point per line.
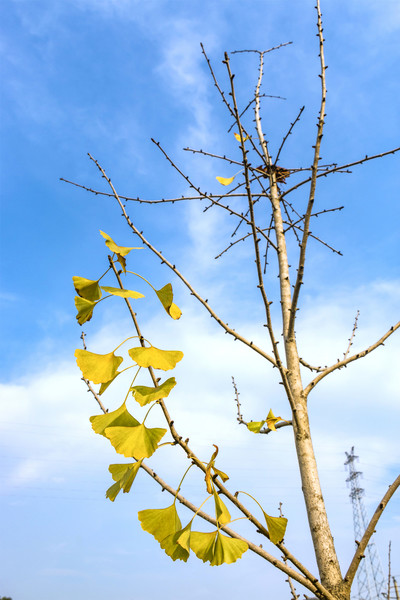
370	579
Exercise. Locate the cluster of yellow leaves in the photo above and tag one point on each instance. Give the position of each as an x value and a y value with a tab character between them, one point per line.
271	420
214	547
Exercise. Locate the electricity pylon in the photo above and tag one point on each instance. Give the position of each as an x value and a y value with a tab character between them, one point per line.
370	577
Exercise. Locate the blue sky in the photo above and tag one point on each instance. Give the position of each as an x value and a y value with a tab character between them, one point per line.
104	76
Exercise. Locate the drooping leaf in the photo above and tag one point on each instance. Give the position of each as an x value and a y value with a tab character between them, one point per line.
124	476
145	395
216	548
221	474
117	418
122	293
225	180
276	528
165	295
176	544
156	358
271	420
137	441
221	512
87	288
98	368
255	426
237	136
160	522
210	465
120	251
105	385
84	308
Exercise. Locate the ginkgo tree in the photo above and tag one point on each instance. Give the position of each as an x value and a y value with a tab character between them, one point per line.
259	203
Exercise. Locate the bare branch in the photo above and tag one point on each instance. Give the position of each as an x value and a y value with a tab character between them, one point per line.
311	198
349	359
297	119
359	554
353	333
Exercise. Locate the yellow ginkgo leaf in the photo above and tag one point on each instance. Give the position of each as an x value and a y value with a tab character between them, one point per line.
237	136
119	417
137	441
276	528
221	474
124	476
98	368
145	395
172	546
272	420
160	522
207	478
225	180
216	548
84	308
122	293
87	288
156	358
105	385
120	251
165	295
221	512
255	426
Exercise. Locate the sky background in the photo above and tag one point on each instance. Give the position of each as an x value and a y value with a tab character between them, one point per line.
104	76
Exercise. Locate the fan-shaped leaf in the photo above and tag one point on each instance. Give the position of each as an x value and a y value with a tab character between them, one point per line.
105	385
84	308
173	546
165	295
255	426
153	357
221	474
160	522
276	528
137	441
221	512
124	475
122	293
98	368
145	395
271	420
216	548
225	180
87	288
120	251
119	417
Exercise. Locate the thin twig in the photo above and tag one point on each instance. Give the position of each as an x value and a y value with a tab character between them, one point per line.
353	333
287	135
342	363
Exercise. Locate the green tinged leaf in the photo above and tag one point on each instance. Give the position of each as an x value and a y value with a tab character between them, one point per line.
119	417
221	512
216	548
84	308
98	368
255	426
160	522
183	538
122	293
165	295
276	528
87	288
221	474
137	441
144	395
172	546
124	475
153	357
